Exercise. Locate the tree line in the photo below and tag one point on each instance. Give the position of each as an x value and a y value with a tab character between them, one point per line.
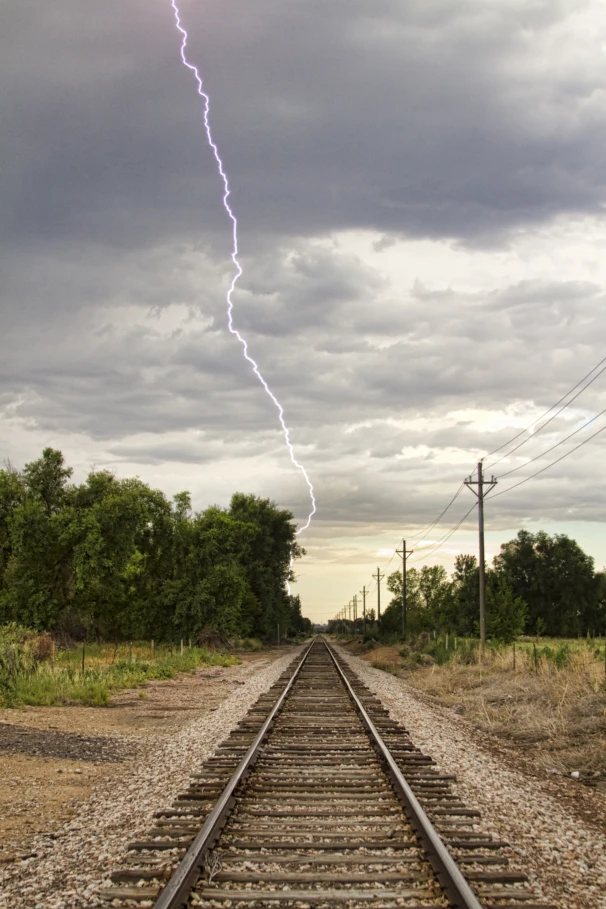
537	584
115	559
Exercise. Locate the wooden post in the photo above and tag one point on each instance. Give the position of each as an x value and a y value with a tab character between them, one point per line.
278	634
83	654
514	656
536	660
152	649
181	646
446	640
190	643
130	652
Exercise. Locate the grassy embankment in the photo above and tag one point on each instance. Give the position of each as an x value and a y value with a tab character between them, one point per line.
33	673
547	696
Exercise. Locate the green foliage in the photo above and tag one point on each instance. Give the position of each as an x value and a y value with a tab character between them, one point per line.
505	613
556	580
559	655
537	585
65	683
113	558
17	657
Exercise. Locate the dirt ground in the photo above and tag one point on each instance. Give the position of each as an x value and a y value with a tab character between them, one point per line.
51	758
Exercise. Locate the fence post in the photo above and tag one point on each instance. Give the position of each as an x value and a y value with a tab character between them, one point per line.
536	661
83	654
152	649
181	646
514	656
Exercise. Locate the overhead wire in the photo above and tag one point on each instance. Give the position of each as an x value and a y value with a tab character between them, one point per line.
547	466
534	422
557	445
450	533
440	516
445	537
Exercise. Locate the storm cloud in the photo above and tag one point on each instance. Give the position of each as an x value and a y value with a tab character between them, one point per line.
420	191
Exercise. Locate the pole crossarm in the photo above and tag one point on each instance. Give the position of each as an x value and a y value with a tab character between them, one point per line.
378	578
404	552
484	486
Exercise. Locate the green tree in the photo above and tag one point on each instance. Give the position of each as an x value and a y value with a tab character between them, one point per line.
554	577
505	613
466	595
46	479
268	561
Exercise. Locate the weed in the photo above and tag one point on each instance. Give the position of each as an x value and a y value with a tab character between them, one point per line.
25	681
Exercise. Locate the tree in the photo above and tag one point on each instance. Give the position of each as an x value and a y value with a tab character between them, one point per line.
427	600
46	479
268	560
465	595
505	613
115	558
554	577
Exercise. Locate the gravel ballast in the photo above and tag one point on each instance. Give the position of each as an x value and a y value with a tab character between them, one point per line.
555	826
68	870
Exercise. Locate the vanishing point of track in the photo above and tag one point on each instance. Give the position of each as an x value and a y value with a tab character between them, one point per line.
318	798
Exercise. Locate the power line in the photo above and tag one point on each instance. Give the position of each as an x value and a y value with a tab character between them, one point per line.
543	469
527	428
557	445
440	516
430	527
446	537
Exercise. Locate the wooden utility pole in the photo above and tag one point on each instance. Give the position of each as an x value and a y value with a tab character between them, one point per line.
404	552
378	577
355	608
484	486
363	592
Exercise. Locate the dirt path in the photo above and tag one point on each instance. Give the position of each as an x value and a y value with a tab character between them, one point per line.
52	758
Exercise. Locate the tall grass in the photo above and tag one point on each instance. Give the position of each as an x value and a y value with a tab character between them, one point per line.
548	695
60	679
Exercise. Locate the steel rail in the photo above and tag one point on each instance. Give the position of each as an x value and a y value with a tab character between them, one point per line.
445	868
177	889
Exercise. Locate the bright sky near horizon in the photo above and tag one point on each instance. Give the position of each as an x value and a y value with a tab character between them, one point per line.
420	189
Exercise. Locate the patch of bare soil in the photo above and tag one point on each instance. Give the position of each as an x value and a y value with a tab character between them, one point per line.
52	758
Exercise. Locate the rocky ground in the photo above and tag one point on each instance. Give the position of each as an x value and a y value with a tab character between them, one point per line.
556	826
77	784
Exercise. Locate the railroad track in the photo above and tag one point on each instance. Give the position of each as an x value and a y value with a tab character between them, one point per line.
318	798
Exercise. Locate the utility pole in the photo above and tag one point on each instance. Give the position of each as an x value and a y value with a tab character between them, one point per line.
363	592
355	607
404	552
483	487
378	577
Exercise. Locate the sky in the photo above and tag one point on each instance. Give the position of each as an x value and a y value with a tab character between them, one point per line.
420	189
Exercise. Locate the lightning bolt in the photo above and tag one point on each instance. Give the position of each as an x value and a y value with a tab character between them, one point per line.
238	268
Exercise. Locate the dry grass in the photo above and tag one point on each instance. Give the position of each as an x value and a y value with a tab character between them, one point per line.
556	713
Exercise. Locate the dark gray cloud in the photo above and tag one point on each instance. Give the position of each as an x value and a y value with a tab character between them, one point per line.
458	122
478	127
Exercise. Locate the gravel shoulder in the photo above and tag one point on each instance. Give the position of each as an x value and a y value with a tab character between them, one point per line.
78	784
556	827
